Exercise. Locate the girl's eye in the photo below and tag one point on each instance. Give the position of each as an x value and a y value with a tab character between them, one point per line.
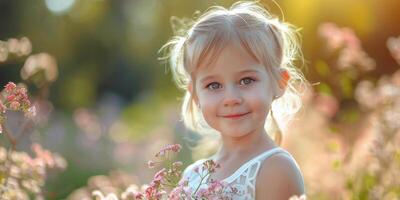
213	86
246	81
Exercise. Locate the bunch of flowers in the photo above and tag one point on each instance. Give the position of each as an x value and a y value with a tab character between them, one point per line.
14	98
206	189
168	184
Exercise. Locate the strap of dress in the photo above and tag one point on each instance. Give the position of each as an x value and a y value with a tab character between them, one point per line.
269	154
254	161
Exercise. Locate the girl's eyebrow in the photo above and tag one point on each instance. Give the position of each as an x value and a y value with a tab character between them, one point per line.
205	79
241	72
249	71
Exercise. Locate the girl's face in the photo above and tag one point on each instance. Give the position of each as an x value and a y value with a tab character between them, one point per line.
234	92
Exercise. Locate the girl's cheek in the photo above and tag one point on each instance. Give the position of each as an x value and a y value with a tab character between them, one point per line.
258	98
261	91
209	100
206	95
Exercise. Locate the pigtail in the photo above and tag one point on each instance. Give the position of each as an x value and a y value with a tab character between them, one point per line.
278	131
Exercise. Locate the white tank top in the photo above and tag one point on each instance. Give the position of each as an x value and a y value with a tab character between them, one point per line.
243	179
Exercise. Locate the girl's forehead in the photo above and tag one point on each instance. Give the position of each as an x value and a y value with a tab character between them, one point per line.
230	70
232	58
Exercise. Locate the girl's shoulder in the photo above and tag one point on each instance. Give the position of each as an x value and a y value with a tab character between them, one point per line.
280	176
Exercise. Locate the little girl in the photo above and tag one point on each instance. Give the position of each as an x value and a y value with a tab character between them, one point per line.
236	66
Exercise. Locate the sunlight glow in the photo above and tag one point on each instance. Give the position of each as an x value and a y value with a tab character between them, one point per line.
59	6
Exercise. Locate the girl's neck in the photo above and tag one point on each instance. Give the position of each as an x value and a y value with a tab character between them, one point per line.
250	144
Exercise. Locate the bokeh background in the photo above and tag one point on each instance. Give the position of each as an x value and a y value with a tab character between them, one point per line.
107	104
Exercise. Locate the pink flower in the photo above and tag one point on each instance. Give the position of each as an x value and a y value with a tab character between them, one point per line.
17	99
160	194
11	97
210	165
203	192
22	91
138	195
160	175
15	105
175	193
10	87
150	192
216	186
171	147
176	148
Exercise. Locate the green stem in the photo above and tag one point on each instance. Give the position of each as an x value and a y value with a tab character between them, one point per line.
201	182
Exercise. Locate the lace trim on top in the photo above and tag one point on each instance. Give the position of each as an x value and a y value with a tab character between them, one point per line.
243	179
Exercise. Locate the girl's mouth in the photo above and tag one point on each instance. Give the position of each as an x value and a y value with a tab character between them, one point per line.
235	116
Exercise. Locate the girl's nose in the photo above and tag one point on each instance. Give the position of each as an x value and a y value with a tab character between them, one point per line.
232	97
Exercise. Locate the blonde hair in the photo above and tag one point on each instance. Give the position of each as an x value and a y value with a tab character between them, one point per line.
274	43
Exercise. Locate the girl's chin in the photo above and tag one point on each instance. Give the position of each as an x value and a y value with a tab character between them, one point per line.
234	133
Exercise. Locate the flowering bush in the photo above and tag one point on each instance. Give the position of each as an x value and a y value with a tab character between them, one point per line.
378	179
21	176
359	113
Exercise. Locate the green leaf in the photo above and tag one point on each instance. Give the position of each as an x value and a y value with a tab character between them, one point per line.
322	68
324	89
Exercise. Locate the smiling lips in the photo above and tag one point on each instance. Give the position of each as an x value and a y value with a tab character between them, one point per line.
235	116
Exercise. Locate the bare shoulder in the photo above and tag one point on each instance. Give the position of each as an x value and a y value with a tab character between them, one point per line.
279	178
